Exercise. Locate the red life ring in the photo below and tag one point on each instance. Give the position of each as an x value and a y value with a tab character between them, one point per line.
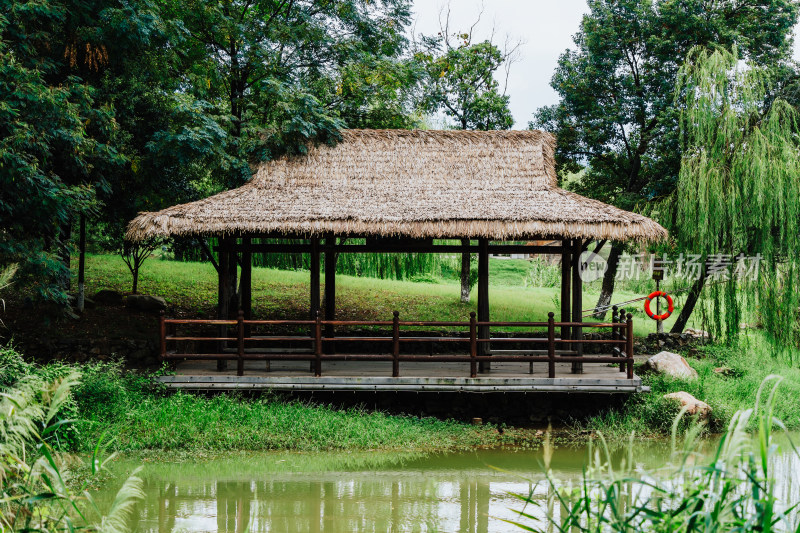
662	316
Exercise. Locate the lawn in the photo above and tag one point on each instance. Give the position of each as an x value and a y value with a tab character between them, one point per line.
285	294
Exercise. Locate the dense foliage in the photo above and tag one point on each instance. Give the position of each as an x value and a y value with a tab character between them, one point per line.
37	492
110	108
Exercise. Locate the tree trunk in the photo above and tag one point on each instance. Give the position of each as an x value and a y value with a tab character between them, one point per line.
81	264
691	302
135	280
609	279
465	268
65	233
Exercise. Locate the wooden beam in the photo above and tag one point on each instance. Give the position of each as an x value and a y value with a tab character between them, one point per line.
208	253
577	303
233	276
433	249
600	246
566	279
483	301
330	289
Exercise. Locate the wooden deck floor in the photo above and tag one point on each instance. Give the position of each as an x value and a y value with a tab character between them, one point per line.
414	376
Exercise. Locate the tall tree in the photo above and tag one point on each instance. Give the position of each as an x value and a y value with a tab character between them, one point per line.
273	66
55	139
616	117
738	191
460	82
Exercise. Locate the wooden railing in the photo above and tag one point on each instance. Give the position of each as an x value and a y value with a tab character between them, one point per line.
620	342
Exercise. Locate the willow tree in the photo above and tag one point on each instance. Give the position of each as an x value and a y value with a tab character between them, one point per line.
738	191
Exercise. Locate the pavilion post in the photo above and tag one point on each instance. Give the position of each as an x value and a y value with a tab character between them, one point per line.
314	306
483	301
577	302
233	288
315	287
566	274
223	297
330	289
246	282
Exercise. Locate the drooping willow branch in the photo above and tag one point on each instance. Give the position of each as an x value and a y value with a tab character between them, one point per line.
739	188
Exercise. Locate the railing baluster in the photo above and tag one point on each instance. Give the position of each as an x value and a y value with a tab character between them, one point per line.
162	327
616	317
318	345
551	345
629	347
240	343
396	344
473	345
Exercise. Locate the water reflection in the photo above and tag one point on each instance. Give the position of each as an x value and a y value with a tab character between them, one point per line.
368	492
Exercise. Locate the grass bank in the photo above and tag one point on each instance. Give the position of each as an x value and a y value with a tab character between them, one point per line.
142	417
135	414
740	370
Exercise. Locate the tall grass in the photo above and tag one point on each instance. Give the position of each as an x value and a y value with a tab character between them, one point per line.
145	417
142	415
734	490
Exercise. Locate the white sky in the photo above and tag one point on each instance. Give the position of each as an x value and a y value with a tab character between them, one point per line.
546	26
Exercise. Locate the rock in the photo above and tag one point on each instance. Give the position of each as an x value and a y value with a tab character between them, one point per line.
670	364
145	302
696	333
728	372
108	297
693	405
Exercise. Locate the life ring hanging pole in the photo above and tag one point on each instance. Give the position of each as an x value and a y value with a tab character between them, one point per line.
662	316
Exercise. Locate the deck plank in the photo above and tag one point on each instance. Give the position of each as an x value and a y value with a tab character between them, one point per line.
414	376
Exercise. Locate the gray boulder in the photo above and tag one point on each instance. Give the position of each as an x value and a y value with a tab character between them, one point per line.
108	297
693	405
670	364
145	302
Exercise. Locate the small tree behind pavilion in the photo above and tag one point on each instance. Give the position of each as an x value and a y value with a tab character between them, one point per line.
460	82
135	254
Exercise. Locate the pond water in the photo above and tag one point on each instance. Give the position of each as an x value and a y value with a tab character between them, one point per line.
362	492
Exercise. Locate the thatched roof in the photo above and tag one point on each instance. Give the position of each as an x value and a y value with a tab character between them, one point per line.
441	184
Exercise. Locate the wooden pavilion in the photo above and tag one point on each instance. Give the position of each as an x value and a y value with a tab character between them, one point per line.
402	191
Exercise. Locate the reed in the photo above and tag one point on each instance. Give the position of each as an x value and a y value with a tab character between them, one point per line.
733	490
